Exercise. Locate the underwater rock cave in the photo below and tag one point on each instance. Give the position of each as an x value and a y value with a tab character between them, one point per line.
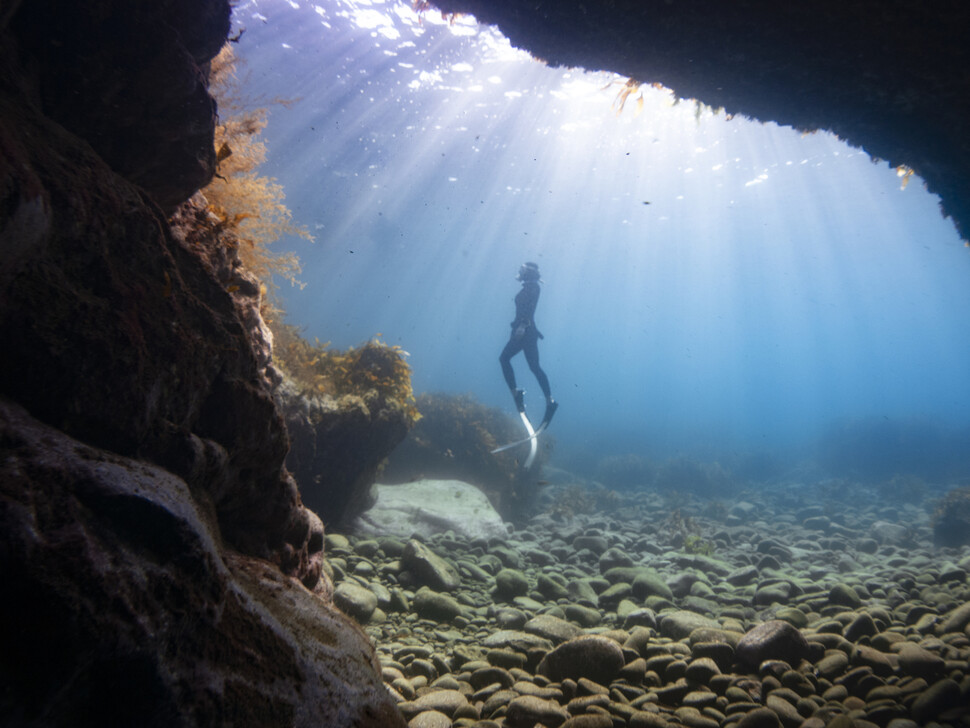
104	117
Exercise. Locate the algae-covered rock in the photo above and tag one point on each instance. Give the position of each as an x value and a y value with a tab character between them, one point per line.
433	605
511	583
338	445
591	656
951	519
355	601
679	624
345	412
649	583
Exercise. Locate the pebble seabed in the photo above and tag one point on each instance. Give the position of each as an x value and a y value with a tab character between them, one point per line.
760	611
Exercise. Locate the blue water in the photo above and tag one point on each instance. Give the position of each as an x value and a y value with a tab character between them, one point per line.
711	285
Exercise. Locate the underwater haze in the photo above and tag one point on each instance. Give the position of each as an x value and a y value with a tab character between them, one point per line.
711	285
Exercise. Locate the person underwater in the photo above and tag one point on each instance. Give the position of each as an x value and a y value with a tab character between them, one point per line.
525	338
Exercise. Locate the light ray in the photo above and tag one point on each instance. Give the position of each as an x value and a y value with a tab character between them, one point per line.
702	274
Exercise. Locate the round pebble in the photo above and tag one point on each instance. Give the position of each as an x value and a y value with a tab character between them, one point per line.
591	656
772	640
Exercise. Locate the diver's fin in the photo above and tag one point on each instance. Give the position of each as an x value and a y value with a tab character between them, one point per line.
516	443
533	441
551	408
528	428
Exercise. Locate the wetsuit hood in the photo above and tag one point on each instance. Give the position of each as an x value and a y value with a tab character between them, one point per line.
528	272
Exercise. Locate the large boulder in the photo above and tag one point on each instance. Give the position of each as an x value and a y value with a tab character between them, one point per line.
429	507
120	607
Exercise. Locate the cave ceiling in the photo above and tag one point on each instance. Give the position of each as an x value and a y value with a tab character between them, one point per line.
889	76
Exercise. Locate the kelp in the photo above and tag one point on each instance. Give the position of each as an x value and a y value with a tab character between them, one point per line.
239	199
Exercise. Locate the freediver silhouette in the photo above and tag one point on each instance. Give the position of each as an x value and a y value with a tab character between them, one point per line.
525	338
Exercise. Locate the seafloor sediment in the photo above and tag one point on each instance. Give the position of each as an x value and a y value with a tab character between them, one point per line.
786	607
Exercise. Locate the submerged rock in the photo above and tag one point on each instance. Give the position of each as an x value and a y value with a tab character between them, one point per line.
429	507
713	55
679	624
527	711
130	83
593	657
951	522
355	601
772	640
454	440
429	569
429	604
156	550
120	331
552	628
511	583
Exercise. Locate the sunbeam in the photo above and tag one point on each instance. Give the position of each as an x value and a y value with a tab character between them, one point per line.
704	277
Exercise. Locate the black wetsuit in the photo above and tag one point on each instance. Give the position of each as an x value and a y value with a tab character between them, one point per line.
525	337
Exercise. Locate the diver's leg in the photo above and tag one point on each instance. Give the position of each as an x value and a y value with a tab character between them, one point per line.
532	357
505	359
531	350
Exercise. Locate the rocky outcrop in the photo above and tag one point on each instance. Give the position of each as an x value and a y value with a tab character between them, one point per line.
951	519
454	440
122	608
338	446
889	77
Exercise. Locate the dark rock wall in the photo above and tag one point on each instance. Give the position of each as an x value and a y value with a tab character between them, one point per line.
156	558
122	336
129	78
889	76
